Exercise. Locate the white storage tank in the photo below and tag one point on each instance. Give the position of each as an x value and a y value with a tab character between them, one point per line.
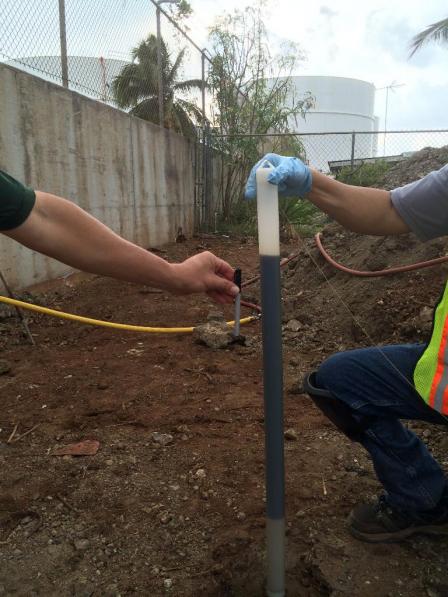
341	105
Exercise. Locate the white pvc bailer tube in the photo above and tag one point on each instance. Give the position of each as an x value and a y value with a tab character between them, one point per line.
269	248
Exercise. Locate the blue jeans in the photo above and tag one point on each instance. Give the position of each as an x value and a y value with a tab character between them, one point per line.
378	384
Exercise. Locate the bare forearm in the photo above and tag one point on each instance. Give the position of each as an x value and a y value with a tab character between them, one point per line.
60	229
361	209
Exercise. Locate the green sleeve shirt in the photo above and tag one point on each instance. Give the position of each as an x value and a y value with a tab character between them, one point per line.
16	202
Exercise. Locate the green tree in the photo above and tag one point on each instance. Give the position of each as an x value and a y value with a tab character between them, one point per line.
180	13
437	32
252	92
137	88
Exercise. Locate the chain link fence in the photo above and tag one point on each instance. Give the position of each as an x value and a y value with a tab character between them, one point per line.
327	152
128	53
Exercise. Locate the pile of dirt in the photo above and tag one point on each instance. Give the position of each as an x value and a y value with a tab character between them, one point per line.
416	166
342	311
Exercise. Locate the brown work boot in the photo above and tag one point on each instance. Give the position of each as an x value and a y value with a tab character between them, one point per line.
380	523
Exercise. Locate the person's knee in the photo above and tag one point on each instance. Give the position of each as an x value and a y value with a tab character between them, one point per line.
336	410
331	370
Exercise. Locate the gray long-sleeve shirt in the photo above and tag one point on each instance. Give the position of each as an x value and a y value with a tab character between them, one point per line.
423	204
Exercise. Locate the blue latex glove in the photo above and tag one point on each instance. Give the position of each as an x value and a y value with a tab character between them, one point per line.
290	174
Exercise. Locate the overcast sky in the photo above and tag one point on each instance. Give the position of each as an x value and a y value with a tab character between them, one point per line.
369	41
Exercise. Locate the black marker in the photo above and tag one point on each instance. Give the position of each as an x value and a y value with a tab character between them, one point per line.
237	280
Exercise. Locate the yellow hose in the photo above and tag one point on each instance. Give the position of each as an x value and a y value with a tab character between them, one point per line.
108	324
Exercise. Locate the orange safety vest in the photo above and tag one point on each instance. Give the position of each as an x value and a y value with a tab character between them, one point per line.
431	371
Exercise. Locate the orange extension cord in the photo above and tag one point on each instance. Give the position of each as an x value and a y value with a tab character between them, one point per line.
378	273
355	272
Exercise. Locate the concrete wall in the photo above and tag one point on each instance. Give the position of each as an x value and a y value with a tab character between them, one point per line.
135	177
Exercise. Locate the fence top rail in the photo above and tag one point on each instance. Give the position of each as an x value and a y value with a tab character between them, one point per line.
298	134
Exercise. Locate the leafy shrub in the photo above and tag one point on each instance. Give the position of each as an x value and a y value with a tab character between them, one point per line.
297	216
368	174
241	221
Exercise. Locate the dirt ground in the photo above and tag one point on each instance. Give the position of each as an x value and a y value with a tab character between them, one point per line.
187	518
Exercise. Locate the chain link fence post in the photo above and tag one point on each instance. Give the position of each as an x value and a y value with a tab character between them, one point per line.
209	185
352	157
63	38
204	144
197	187
205	176
159	66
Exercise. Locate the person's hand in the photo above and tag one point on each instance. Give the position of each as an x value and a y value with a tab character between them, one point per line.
291	175
205	273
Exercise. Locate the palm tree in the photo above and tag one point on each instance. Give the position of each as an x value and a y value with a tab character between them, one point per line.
137	88
437	32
